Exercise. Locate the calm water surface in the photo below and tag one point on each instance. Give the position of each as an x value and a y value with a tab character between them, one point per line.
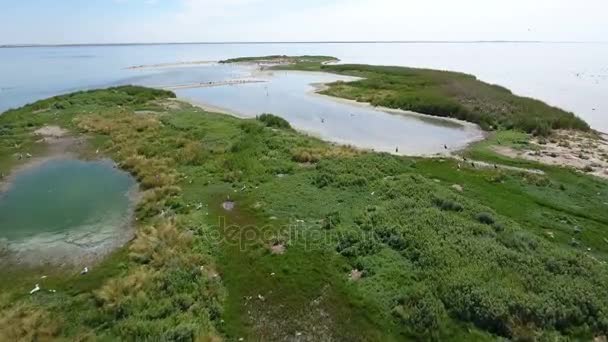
63	195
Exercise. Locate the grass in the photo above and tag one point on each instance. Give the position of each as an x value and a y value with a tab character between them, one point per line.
437	263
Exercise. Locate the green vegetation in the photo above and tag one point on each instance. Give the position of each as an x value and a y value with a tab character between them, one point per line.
435	92
505	254
444	93
274	121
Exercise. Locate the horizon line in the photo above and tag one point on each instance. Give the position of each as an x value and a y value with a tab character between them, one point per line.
33	45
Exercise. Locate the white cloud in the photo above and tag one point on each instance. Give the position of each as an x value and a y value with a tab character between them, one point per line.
319	20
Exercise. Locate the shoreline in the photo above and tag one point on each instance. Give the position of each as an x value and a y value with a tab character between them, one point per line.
473	131
469	127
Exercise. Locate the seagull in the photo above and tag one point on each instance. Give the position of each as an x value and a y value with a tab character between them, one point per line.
445	146
84	271
35	289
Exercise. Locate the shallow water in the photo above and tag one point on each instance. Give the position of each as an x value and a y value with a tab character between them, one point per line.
573	76
62	198
290	95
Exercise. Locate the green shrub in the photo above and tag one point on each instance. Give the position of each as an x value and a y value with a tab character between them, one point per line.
331	220
448	205
271	120
485	218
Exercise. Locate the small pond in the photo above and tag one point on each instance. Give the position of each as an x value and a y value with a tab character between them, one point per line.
65	208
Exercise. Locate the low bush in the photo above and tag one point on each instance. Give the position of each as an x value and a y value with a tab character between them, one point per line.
446	204
271	120
485	218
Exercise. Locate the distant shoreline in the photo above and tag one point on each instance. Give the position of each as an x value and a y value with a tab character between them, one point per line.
13	46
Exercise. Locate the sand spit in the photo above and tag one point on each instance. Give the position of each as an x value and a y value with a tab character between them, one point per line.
586	152
211	84
171	65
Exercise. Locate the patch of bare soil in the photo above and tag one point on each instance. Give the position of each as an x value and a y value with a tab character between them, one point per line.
278	249
228	205
586	152
171	104
272	321
51	132
355	275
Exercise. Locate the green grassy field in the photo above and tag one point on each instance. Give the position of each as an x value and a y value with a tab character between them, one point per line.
511	255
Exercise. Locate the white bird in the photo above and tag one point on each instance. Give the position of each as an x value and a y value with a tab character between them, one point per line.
85	270
35	289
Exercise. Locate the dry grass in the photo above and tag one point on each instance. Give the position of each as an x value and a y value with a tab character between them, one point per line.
315	154
191	154
22	322
117	291
163	245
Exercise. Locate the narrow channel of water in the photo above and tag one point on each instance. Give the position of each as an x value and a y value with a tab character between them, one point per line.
292	96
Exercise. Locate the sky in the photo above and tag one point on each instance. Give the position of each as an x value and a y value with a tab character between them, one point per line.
150	21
